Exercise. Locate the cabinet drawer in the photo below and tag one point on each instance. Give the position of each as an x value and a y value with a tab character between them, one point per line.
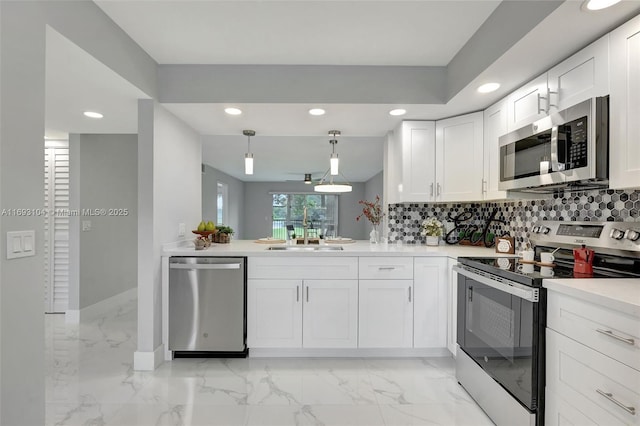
383	268
302	267
611	332
601	388
558	412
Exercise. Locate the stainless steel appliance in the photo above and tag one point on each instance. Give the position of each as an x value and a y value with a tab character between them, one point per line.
207	306
502	313
569	148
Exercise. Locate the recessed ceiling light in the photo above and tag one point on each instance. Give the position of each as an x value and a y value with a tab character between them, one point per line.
599	4
398	111
93	114
489	87
317	111
233	111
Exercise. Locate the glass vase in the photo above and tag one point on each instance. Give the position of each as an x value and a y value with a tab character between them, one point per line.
374	235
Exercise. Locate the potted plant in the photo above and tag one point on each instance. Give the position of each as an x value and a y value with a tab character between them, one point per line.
373	212
432	229
223	234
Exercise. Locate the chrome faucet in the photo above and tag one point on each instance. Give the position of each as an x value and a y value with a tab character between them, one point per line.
305	226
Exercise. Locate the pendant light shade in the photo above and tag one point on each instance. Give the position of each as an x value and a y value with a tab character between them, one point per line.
329	185
248	157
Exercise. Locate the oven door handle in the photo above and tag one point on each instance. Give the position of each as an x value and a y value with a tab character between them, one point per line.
527	293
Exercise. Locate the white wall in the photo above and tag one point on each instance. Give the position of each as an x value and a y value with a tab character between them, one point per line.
210	179
109	251
169	185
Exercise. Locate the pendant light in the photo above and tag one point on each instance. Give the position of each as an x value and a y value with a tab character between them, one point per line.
334	161
248	157
307	178
329	185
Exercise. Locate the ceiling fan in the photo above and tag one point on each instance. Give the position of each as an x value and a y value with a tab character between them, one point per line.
308	178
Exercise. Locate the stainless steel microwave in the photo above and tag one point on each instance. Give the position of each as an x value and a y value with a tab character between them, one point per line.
568	148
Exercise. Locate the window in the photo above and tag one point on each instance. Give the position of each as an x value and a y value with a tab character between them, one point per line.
222	203
322	214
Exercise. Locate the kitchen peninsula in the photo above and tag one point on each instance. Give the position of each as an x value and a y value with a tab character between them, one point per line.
364	300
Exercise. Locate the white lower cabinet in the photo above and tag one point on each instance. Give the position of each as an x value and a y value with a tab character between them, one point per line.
274	314
330	314
592	368
430	302
386	314
302	313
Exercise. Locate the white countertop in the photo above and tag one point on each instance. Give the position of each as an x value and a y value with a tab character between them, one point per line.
620	294
359	248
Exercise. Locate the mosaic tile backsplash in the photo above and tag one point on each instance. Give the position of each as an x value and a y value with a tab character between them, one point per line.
518	216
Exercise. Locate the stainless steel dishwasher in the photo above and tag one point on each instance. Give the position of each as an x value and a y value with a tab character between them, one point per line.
207	306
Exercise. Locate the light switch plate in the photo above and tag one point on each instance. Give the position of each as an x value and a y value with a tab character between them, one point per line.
182	229
21	244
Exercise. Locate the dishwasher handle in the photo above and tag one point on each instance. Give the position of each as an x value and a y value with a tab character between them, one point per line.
191	266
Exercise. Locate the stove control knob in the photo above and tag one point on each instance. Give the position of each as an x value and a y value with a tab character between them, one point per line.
545	230
616	234
632	235
536	229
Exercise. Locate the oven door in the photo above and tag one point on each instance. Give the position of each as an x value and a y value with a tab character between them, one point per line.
498	327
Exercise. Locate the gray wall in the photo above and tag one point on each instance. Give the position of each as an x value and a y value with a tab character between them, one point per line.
22	117
210	179
258	202
374	186
109	180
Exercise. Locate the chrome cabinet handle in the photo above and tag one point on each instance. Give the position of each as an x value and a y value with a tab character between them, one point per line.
438	189
484	186
541	110
297	293
631	410
431	188
307	294
386	268
409	294
615	336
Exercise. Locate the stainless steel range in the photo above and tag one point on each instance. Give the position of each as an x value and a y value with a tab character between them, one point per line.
502	311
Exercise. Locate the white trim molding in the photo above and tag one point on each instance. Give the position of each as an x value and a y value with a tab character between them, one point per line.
148	361
74	316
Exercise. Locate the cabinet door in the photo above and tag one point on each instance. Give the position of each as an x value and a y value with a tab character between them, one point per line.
385	314
527	104
392	168
330	314
418	162
452	307
430	302
274	313
624	141
495	125
459	158
580	77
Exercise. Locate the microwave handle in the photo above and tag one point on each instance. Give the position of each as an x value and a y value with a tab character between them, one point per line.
556	166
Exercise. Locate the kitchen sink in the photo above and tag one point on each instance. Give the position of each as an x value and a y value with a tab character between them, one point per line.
305	248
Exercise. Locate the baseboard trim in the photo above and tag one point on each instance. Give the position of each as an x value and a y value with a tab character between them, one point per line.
94	311
72	316
148	361
349	353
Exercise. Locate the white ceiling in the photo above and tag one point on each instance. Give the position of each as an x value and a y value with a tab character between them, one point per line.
327	32
76	82
300	31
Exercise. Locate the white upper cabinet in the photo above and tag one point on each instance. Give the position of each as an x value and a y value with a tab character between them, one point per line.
495	125
582	76
459	158
411	152
624	136
527	104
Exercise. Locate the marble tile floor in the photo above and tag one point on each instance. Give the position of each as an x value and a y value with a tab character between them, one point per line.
90	381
